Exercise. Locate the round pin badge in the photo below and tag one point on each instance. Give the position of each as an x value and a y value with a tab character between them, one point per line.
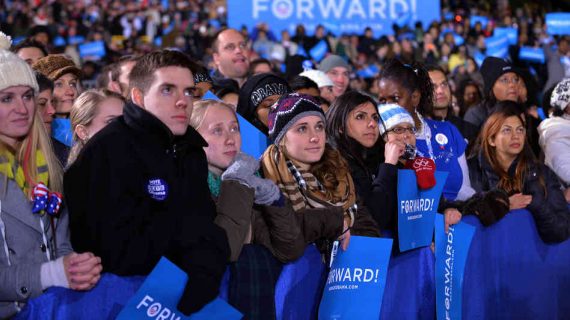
157	189
441	139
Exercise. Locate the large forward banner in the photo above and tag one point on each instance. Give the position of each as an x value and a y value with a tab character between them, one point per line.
337	16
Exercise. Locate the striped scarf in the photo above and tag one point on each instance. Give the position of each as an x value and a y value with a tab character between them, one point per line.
302	188
14	170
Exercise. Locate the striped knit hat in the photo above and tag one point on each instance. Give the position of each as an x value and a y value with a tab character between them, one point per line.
392	115
288	110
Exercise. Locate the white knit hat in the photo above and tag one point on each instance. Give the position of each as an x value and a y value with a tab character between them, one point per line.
560	97
13	70
319	77
392	115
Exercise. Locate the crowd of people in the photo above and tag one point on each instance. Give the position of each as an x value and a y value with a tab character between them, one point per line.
138	155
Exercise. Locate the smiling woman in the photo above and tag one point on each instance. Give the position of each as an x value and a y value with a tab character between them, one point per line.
313	175
34	236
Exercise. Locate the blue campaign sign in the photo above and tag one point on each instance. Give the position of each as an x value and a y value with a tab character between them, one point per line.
94	49
319	51
337	16
416	209
61	131
474	19
210	96
510	33
370	71
356	281
451	252
497	46
558	23
479	57
532	54
257	142
159	294
75	40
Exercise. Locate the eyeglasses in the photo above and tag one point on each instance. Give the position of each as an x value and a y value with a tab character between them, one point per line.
233	46
402	130
505	81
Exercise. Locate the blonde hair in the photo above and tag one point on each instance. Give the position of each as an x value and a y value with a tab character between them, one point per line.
85	108
200	110
37	139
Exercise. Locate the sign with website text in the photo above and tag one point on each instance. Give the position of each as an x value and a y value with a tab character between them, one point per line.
337	16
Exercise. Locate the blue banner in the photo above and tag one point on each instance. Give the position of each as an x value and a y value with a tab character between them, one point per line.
451	251
95	49
416	209
474	19
532	54
558	23
159	295
61	131
75	40
356	281
497	46
337	16
257	142
319	51
370	71
512	34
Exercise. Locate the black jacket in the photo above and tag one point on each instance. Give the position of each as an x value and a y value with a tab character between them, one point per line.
550	211
116	213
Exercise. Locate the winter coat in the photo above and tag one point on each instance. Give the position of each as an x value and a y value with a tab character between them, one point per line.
555	142
137	192
548	207
274	227
21	239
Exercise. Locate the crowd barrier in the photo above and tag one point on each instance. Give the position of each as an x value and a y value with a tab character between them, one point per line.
510	273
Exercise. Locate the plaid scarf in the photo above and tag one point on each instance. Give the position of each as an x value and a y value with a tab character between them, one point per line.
302	188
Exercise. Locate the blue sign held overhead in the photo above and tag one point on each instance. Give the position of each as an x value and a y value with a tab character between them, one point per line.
558	23
416	209
510	33
451	252
497	46
319	51
531	54
75	40
370	71
337	16
94	49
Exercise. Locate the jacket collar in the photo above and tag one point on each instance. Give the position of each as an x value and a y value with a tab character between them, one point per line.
149	126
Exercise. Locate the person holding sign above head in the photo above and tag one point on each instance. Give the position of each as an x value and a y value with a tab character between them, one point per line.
138	190
34	234
503	160
312	175
261	226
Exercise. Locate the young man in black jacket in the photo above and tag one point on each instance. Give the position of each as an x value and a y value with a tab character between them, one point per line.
138	190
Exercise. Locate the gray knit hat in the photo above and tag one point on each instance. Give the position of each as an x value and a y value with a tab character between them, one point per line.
13	70
560	97
333	61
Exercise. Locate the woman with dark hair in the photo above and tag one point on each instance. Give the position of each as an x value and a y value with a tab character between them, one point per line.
410	86
313	175
468	95
503	160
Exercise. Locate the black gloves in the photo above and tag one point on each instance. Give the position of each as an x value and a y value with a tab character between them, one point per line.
490	206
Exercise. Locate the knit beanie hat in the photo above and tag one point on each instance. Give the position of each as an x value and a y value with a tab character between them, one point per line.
290	108
560	97
319	77
392	115
255	90
54	66
333	61
13	70
492	68
202	76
